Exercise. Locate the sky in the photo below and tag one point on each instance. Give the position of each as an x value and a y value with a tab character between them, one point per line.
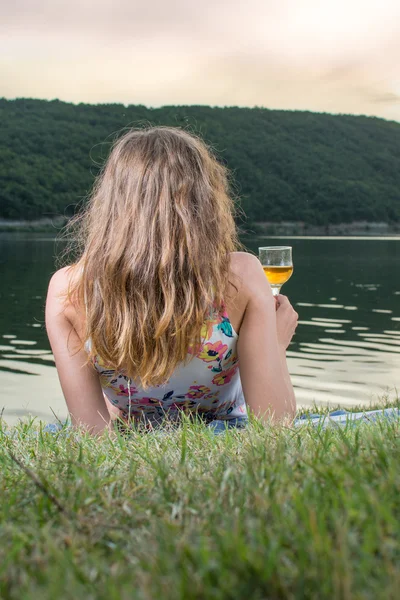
338	56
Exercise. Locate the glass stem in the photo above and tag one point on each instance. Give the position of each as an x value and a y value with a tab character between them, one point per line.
276	289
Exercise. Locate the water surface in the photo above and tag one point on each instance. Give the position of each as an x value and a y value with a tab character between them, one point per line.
346	349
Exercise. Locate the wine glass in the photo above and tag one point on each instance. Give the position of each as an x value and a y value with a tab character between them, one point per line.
277	264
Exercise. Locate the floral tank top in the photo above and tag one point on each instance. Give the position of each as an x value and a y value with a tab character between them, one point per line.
208	385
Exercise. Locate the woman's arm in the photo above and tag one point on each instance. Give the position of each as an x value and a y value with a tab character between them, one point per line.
264	335
79	381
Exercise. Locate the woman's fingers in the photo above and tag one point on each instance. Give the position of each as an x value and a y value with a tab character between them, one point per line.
281	299
287	319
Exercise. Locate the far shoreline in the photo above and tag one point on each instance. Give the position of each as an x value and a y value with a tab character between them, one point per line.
364	229
302	229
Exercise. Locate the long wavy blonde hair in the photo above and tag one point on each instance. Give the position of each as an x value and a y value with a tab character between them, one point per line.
154	240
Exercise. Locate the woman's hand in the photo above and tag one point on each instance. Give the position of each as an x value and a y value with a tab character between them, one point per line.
286	320
264	334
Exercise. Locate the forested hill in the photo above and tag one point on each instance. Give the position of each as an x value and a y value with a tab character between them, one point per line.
291	166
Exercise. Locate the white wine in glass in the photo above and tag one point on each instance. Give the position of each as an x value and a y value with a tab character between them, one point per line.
277	264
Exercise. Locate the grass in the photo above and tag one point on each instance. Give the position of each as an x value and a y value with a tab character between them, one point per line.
251	514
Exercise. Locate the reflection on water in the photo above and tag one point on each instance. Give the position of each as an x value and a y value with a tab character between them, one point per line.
347	345
346	349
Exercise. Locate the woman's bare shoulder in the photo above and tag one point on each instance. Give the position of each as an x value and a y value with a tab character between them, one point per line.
57	294
242	260
248	270
61	280
245	265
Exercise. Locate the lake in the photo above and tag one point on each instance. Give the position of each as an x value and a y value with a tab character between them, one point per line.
346	349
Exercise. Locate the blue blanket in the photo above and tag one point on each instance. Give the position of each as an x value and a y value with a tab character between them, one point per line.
336	418
339	418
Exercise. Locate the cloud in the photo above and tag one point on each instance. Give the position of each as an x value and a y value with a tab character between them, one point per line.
386	98
320	55
112	21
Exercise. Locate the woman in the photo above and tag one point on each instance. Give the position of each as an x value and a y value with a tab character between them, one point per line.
160	311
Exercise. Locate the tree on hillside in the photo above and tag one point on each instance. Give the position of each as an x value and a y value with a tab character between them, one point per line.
285	165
